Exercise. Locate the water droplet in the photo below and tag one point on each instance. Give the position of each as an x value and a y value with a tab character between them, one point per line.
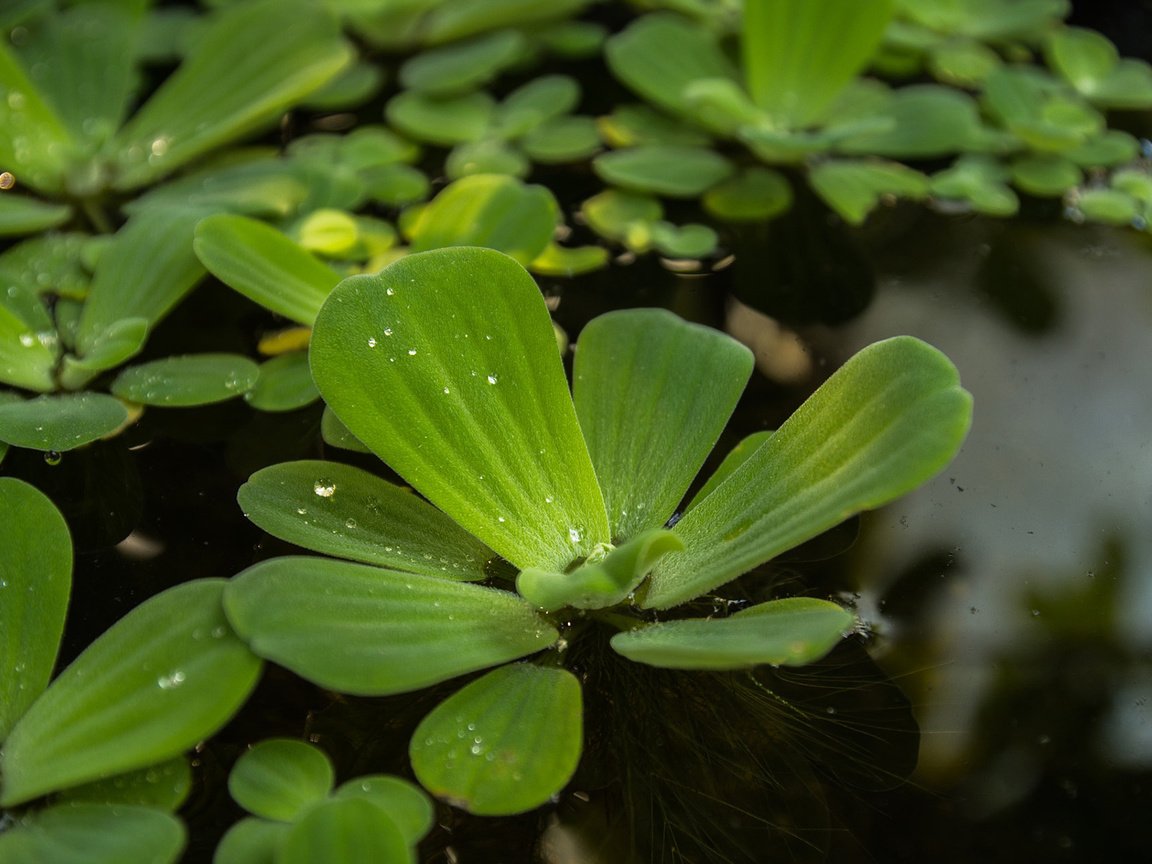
411	352
324	488
27	340
52	457
492	379
387	331
7	180
499	518
446	391
219	632
1035	613
574	535
172	681
548	499
371	342
350	523
390	291
301	511
160	146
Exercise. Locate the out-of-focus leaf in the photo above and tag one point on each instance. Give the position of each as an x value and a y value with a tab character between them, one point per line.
854	189
489	210
889	419
790	632
753	195
799	55
35	144
165	676
661	54
963	62
94	834
344	511
27	357
614	213
503	744
463	66
653	394
446	121
279	778
187	380
395	185
540	100
35	582
1110	206
683	241
255	60
62	422
336	434
459	19
925	121
1045	174
633	125
164	786
257	186
1091	64
348	830
251	841
264	265
574	40
283	384
1113	147
564	261
350	89
397	631
20	214
676	172
404	803
980	181
487	434
487	156
564	139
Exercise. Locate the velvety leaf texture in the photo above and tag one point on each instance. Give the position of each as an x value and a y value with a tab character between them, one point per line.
280	778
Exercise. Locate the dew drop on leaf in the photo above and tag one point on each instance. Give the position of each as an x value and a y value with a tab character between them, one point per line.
324	488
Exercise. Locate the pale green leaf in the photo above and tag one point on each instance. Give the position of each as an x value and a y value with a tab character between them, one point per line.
574	40
94	834
487	156
264	265
35	582
632	125
603	580
350	89
344	511
284	384
256	184
1045	174
563	139
279	778
60	422
347	830
755	194
488	210
1083	57
884	423
980	181
404	803
790	632
1109	206
122	340
683	241
336	434
162	678
613	213
35	144
925	121
799	55
673	171
854	189
653	394
535	103
187	380
503	744
445	121
458	19
254	61
463	66
558	260
145	270
251	841
1112	147
164	786
963	62
371	632
20	214
27	357
661	54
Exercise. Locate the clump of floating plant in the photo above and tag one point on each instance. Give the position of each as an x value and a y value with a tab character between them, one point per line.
567	507
106	738
299	815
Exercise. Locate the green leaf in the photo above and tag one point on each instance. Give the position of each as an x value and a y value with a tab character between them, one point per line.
574	40
188	380
145	270
487	434
1109	149
264	265
371	632
255	60
395	185
1109	206
122	340
446	121
280	778
925	121
603	580
548	97
1086	60
257	185
27	357
799	55
854	189
62	422
963	62
633	125
754	195
505	743
162	678
35	581
487	156
20	214
661	54
463	66
404	803
736	457
348	830
1045	174
94	834
563	139
492	211
336	434
884	423
613	214
351	88
284	384
1038	110
251	841
558	260
35	144
790	632
683	241
980	181
164	786
346	512
653	393
676	172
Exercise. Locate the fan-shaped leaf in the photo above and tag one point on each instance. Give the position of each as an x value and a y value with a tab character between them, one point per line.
348	830
404	803
61	422
279	778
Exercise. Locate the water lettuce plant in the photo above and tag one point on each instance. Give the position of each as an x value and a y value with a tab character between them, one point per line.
569	508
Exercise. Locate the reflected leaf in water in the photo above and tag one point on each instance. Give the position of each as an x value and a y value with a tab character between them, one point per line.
1015	278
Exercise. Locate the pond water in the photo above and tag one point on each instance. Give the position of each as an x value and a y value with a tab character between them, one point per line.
1008	602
